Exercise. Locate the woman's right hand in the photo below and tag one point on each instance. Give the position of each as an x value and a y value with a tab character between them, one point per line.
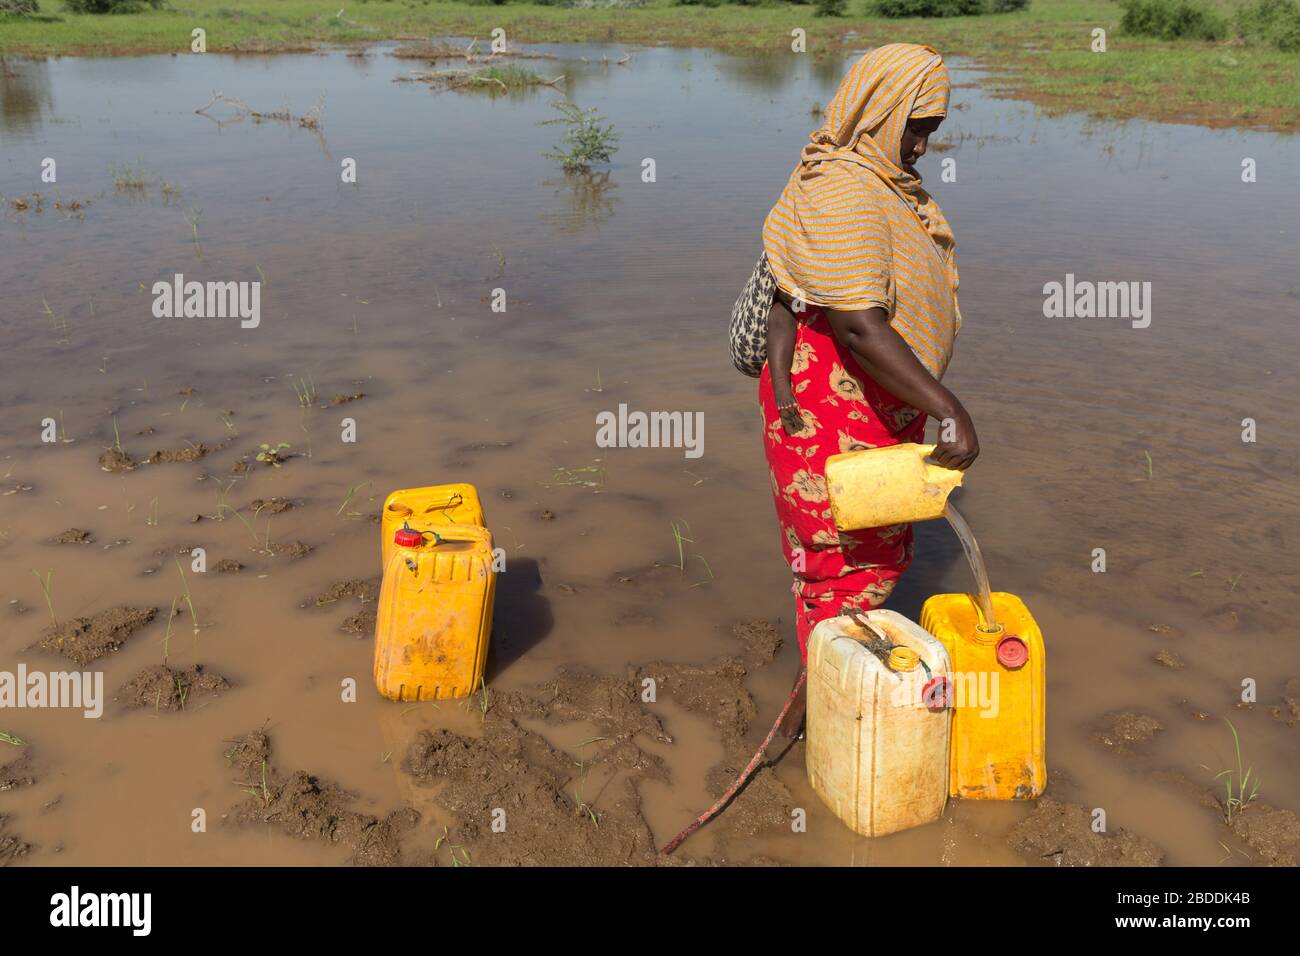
963	448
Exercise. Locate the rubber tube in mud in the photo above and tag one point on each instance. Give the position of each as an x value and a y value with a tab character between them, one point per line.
972	549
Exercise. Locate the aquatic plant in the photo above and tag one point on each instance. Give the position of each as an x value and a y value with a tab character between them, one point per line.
589	138
272	454
45	590
1239	791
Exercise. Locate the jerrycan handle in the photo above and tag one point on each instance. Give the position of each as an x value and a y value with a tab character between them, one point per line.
937	474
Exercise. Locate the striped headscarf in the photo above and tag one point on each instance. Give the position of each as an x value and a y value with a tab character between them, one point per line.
854	229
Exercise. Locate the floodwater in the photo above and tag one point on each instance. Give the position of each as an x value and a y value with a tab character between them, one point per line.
1095	434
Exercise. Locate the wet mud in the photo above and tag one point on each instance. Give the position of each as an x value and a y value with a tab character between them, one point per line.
162	688
1062	834
307	807
86	639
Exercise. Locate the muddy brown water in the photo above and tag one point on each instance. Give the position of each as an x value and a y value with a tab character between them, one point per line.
1094	434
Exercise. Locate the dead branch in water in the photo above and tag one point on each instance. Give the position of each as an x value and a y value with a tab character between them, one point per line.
309	120
491	77
434	52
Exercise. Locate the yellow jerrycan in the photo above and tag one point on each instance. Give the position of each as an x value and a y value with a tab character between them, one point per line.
435	613
429	508
878	720
890	485
999	719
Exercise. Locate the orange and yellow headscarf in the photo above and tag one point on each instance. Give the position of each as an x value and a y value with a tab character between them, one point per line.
836	238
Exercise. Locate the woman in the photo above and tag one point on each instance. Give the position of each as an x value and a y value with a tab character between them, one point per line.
863	260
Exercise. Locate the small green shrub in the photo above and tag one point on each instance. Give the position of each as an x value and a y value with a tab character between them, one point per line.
1172	20
830	8
19	8
110	6
589	138
935	8
1275	22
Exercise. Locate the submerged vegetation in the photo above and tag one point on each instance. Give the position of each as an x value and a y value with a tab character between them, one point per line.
588	139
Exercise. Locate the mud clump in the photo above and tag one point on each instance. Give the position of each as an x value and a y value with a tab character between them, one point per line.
365	591
1121	731
188	453
760	638
1167	658
558	814
228	566
72	536
613	704
115	460
12	847
85	639
17	772
1061	834
343	399
308	808
362	623
161	688
271	506
1272	833
359	625
714	690
1289	710
293	549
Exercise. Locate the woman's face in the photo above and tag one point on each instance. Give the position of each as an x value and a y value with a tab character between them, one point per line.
916	137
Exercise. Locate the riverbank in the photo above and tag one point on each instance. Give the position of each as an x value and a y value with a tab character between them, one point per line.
1042	54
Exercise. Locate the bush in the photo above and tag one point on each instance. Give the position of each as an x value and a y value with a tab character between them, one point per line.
110	6
1172	20
19	7
830	8
946	8
1275	22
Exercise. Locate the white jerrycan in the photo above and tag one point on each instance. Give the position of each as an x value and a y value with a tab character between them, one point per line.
878	721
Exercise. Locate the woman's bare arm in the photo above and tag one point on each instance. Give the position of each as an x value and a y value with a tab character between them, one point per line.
888	359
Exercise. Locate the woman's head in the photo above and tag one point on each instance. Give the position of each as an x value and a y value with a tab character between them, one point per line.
889	104
916	138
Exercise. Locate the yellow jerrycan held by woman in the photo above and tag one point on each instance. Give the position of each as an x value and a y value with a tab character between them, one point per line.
999	719
435	613
429	508
877	721
890	485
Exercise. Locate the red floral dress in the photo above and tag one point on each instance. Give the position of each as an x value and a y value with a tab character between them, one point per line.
842	410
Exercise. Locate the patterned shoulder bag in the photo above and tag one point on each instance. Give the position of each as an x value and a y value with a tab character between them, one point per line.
748	329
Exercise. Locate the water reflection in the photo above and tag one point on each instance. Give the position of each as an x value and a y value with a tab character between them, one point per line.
25	95
589	199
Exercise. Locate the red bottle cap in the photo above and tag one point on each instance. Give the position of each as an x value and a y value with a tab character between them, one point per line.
1012	652
937	693
406	538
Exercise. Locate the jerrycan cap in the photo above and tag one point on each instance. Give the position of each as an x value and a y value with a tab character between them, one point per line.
407	538
937	693
903	659
1012	652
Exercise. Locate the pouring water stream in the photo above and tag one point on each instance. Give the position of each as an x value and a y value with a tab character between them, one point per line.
972	549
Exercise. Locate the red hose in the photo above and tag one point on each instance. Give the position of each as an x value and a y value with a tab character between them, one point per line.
745	774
